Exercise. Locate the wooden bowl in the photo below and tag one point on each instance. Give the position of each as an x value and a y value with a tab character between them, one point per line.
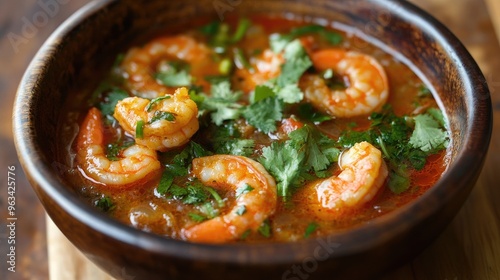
86	44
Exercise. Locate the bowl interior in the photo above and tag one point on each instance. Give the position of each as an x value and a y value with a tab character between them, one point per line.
88	42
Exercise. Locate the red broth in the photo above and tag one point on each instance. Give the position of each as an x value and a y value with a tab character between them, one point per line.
145	207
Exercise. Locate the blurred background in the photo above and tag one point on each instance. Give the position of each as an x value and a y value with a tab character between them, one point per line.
468	249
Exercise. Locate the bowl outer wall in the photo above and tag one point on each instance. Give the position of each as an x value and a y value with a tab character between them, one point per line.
387	241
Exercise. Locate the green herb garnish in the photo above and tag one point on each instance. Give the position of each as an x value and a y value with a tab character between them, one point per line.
312	227
139	129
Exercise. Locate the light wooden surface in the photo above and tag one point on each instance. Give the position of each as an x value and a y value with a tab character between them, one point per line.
468	249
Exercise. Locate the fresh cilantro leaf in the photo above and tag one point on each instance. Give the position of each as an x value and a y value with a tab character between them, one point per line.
438	116
279	41
209	210
307	112
427	135
399	179
243	190
174	78
264	114
113	150
160	115
154	101
104	204
222	103
237	147
179	165
261	92
166	181
265	229
195	194
312	227
319	150
284	162
216	196
115	94
423	91
296	63
290	93
306	150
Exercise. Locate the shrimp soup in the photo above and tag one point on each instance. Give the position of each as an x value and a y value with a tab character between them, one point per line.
259	129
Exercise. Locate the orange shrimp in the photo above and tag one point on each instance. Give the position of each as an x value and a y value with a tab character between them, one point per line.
160	134
367	91
139	64
363	173
137	163
264	67
231	173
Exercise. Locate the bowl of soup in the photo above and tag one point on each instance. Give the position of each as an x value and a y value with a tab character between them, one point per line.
237	139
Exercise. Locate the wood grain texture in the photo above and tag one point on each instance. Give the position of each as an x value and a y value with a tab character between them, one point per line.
468	249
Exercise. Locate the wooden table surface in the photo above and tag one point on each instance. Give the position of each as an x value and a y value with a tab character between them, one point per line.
468	249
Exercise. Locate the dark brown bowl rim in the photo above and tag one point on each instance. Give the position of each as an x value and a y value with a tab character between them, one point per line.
40	171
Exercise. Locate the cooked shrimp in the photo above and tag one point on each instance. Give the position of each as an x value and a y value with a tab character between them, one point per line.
232	173
367	90
160	133
139	63
264	67
363	173
136	165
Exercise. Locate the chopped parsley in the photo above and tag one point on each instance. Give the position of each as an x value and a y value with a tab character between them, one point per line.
312	227
104	204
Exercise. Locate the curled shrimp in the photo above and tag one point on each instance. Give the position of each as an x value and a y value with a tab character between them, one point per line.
169	122
363	173
137	163
262	68
367	88
232	173
139	63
